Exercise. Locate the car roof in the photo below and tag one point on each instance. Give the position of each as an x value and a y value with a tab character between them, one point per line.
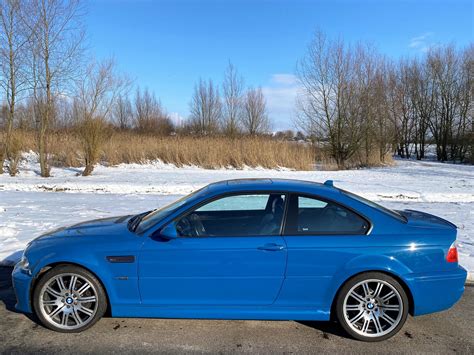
271	184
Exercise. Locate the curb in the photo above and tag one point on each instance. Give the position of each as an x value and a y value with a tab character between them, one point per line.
470	279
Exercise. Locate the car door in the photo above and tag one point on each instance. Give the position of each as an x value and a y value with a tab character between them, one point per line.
321	236
229	251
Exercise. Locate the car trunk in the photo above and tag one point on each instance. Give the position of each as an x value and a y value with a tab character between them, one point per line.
423	219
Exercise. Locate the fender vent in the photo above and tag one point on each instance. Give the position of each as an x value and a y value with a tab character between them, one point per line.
121	259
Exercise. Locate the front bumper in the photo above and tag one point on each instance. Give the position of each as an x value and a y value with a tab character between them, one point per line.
436	292
22	286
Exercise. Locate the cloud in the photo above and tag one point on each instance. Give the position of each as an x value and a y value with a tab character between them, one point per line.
422	42
280	93
284	79
176	118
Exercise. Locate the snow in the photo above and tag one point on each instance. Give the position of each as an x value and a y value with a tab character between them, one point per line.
31	205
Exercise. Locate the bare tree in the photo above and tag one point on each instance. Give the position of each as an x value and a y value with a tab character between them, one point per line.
122	112
402	107
232	89
255	118
328	104
206	108
422	99
13	45
384	122
369	85
445	67
56	47
149	114
96	95
463	131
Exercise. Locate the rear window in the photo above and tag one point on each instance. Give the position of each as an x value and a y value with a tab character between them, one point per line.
312	216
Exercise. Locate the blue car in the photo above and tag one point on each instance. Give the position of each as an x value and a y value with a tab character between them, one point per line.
247	249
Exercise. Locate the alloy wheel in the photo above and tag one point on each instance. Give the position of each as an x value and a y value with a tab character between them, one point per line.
373	308
68	301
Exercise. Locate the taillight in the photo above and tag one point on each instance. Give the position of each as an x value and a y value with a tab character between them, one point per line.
452	256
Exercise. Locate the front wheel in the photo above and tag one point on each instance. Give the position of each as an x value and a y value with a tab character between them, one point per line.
372	306
69	299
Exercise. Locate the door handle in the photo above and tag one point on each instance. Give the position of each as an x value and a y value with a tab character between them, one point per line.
271	247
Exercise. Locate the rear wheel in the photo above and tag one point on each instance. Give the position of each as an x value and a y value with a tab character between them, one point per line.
372	306
68	298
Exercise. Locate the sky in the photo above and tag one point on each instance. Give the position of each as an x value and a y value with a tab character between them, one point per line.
167	45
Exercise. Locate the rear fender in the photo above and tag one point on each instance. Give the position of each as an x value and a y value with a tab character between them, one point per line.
366	263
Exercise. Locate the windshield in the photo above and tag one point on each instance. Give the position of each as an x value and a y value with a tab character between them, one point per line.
154	217
385	210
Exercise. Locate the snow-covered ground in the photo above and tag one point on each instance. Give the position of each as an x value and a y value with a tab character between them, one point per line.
30	205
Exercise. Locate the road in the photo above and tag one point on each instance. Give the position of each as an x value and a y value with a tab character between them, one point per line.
447	332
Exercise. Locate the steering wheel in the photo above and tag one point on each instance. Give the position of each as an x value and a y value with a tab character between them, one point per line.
191	226
184	228
198	227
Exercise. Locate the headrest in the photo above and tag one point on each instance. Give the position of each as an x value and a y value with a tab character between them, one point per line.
277	204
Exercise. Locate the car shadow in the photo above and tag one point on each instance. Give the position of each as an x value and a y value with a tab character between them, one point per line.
326	328
7	296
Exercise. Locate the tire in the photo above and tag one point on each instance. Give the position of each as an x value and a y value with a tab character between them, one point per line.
372	306
69	299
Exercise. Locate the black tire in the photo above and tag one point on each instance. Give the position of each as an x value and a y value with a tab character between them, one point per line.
354	330
99	306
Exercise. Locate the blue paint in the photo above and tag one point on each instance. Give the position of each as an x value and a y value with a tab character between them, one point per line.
282	276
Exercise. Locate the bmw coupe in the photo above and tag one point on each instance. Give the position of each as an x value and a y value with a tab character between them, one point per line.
247	249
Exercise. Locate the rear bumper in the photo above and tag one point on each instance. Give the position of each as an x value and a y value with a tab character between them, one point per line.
436	292
22	285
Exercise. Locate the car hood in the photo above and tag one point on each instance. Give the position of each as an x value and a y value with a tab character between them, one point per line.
104	226
422	219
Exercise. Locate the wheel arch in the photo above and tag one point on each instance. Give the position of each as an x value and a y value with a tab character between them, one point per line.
400	280
52	265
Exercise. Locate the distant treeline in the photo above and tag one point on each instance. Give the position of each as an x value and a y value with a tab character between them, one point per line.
355	98
355	107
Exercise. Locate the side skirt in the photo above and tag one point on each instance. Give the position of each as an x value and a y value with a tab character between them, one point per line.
216	312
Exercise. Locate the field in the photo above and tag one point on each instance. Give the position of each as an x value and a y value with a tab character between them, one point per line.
31	205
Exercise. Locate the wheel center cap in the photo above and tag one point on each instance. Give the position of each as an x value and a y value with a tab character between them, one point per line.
370	305
69	300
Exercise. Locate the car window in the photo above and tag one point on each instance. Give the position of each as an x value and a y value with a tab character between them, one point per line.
309	215
157	215
237	203
305	202
242	215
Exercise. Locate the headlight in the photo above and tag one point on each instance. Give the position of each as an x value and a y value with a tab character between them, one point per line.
24	265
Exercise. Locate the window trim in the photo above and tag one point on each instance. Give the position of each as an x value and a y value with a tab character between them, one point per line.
327	200
235	193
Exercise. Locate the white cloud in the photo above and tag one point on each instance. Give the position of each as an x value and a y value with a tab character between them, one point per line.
284	79
176	118
421	42
280	93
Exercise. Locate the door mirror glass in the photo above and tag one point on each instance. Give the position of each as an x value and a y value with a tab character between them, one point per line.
169	232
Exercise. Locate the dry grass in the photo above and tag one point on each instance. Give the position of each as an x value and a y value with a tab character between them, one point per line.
66	149
210	153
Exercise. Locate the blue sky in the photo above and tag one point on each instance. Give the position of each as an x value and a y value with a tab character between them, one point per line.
168	45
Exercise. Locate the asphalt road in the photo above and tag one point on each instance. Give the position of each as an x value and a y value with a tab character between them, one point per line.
447	332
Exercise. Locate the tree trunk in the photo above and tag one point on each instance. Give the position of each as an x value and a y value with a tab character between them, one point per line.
43	155
88	170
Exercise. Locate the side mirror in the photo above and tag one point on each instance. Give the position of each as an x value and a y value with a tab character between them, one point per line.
169	232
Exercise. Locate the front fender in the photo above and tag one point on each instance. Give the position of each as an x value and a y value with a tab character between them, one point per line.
119	280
